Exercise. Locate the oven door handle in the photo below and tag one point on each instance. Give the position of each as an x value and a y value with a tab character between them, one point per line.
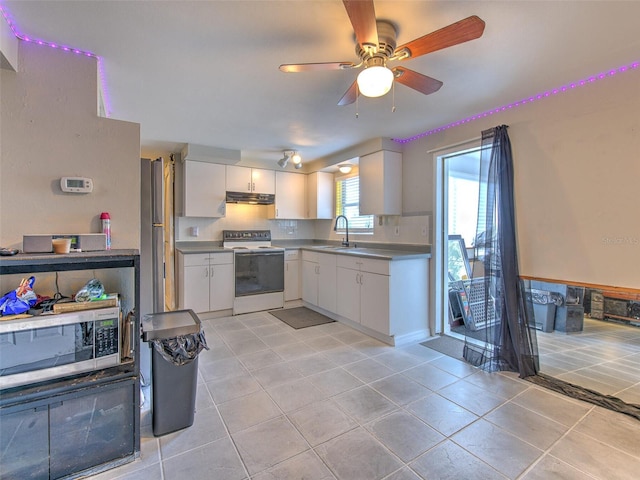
259	254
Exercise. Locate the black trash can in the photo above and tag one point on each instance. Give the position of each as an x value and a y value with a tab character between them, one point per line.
176	339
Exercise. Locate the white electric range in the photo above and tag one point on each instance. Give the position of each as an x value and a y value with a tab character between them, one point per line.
259	270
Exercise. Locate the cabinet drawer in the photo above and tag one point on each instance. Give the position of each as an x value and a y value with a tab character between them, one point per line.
220	258
310	256
375	266
362	264
348	261
195	259
292	254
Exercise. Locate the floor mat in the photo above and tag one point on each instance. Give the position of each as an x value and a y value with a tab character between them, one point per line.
300	317
450	346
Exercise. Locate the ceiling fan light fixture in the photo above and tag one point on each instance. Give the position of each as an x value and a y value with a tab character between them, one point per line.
345	167
375	81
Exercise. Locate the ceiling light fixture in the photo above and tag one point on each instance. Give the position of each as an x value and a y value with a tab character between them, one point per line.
345	167
297	160
283	161
376	79
290	155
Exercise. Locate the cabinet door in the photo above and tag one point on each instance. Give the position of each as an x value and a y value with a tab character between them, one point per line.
24	443
320	195
204	189
238	179
92	429
310	282
381	183
221	286
327	281
195	288
374	302
348	294
291	280
290	196
263	181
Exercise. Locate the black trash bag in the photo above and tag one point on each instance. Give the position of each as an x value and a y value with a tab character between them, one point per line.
181	350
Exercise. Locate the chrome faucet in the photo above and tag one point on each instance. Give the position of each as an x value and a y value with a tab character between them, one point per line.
345	242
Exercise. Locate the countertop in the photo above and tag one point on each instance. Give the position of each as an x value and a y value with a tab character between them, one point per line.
378	251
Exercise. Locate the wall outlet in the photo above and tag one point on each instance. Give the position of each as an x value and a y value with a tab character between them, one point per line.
424	231
396	231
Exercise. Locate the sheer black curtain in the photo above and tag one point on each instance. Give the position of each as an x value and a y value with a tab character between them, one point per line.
498	336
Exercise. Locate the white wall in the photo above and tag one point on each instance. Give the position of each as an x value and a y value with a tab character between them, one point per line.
50	129
577	167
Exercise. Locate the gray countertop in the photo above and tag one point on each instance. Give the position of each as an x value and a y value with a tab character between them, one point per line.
379	251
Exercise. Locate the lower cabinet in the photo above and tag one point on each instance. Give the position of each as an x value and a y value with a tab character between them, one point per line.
387	296
319	279
291	275
62	435
205	281
363	292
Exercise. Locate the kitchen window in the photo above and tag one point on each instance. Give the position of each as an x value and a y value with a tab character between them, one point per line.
348	204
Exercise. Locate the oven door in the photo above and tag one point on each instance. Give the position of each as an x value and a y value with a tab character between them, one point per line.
259	272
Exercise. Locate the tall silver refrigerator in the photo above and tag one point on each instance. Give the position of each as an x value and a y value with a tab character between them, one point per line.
152	260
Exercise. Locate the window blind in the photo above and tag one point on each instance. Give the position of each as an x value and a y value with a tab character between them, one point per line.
348	204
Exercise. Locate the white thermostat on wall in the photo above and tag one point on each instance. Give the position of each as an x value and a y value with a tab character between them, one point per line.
76	184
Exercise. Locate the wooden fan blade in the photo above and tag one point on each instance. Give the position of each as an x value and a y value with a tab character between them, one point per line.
363	19
467	29
415	80
315	67
350	95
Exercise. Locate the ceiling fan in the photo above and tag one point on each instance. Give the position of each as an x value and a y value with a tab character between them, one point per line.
376	46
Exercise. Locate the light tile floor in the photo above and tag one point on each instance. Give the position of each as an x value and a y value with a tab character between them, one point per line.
328	402
604	357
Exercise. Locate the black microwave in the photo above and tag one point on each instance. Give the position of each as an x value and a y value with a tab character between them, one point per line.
45	347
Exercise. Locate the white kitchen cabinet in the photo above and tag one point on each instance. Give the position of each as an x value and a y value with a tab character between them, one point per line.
320	197
381	183
245	179
385	296
205	281
203	189
319	280
290	196
363	291
291	275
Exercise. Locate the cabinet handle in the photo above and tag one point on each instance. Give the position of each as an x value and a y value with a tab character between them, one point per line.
253	187
276	213
249	186
206	272
212	272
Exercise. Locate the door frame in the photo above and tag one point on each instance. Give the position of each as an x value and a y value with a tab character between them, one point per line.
440	324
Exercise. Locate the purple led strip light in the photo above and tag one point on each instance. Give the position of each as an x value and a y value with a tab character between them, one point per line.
540	96
65	48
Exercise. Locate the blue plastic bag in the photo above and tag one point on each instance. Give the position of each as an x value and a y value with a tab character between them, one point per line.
19	300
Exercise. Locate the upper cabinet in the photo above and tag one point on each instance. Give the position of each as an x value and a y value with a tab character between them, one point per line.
320	195
203	189
290	196
381	183
256	180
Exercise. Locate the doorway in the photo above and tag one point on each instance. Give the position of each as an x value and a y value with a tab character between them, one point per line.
457	193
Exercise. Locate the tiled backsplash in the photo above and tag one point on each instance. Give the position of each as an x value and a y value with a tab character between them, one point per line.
392	229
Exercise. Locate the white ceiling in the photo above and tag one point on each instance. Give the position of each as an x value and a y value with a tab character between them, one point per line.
206	72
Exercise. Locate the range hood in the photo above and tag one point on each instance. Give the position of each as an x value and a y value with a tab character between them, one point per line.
251	198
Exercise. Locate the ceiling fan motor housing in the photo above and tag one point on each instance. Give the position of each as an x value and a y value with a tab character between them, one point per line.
386	44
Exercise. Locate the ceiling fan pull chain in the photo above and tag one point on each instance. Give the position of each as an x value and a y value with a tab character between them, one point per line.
357	100
393	96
